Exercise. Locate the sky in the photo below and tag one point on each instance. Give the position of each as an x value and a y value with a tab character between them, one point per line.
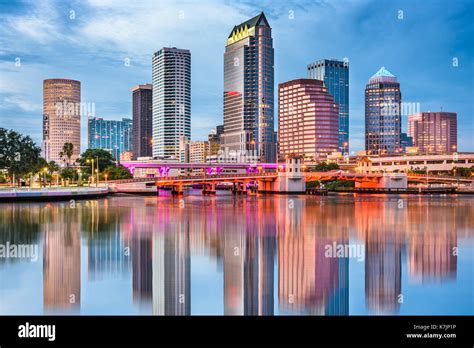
108	45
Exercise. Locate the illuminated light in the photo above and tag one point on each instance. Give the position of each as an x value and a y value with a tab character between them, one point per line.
233	93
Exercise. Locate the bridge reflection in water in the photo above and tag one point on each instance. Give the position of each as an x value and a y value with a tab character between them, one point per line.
271	253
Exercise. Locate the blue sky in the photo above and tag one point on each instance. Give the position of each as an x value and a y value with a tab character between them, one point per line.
94	42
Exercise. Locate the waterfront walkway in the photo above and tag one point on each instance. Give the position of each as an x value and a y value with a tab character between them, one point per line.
51	193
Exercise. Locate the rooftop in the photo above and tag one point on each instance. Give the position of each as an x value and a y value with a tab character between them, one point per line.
252	22
383	75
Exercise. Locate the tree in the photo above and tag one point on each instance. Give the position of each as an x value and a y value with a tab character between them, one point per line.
68	173
117	172
68	150
463	171
19	155
326	166
105	159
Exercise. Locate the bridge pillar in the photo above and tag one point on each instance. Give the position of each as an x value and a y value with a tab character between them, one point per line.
177	190
244	188
209	189
234	188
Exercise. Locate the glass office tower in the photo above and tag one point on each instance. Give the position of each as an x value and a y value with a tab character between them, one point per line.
335	75
111	135
249	90
383	124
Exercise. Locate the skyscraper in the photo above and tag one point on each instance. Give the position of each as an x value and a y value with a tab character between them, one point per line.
171	70
142	120
335	75
308	119
249	90
61	117
111	135
383	123
434	131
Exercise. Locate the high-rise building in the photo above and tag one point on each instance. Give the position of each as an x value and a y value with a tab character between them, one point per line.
198	151
383	123
111	135
405	141
171	70
335	75
308	119
434	131
61	118
249	90
142	120
214	139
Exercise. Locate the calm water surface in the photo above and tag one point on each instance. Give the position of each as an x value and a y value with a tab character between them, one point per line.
241	255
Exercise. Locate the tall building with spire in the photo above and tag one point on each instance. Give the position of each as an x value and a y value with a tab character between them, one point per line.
171	75
249	90
383	121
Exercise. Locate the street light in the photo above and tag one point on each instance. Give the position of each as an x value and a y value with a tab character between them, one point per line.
45	169
92	169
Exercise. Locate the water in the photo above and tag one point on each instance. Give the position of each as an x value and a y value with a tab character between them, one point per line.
218	255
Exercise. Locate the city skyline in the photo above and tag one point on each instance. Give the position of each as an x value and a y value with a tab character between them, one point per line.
419	65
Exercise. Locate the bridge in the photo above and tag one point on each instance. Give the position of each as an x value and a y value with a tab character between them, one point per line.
156	168
287	178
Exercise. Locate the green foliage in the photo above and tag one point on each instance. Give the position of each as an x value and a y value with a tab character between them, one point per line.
105	159
117	173
19	155
463	171
326	166
312	184
66	153
68	173
335	185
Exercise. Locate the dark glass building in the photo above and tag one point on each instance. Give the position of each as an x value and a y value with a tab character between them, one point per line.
142	120
171	75
249	90
335	75
383	123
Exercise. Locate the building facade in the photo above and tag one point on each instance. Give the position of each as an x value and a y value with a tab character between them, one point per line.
308	119
198	151
335	75
434	132
171	74
214	139
249	90
61	118
142	120
383	123
111	135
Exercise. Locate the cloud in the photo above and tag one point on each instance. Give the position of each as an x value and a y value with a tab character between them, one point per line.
20	102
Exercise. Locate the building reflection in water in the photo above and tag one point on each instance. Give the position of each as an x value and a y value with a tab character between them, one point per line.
308	281
432	252
171	264
248	237
249	256
62	259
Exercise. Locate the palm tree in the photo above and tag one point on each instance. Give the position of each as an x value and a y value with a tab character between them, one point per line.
67	151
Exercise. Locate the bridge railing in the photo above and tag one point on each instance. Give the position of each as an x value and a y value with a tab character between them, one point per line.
193	177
